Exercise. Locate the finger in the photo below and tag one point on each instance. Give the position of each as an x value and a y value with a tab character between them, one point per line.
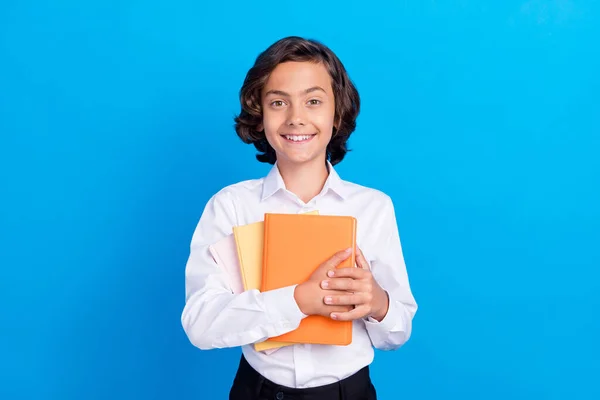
339	309
345	299
354	273
360	260
337	258
340	284
356	313
345	284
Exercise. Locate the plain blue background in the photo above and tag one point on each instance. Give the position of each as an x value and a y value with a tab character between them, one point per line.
480	119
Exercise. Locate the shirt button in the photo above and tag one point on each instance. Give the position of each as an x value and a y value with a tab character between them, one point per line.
279	396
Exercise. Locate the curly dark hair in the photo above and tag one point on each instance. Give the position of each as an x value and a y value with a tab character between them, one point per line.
294	48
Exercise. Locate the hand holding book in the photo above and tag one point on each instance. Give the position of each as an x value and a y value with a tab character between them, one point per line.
310	294
289	249
355	287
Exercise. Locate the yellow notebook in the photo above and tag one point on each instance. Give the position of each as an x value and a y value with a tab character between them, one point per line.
249	241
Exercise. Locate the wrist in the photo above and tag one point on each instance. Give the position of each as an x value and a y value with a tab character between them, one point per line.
299	297
382	308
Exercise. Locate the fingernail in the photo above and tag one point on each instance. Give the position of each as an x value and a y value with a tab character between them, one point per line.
325	284
328	299
333	316
330	273
348	250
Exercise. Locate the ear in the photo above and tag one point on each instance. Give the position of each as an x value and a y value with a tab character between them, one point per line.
336	126
337	122
260	128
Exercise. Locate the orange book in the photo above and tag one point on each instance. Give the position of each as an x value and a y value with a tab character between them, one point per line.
294	246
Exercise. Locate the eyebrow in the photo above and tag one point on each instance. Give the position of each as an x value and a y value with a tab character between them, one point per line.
282	93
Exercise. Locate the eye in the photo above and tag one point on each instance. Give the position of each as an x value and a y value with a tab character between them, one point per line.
277	103
314	102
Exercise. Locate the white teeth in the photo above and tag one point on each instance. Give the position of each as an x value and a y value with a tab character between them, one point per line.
297	138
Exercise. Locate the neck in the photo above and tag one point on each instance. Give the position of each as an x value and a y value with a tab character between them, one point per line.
304	180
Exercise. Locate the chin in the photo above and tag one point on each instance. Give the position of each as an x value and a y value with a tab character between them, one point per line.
300	158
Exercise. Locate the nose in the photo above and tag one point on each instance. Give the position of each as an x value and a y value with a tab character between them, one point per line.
296	115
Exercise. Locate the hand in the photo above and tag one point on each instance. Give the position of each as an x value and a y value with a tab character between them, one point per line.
309	295
361	291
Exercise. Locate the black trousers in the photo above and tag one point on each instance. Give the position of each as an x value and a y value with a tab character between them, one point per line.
248	384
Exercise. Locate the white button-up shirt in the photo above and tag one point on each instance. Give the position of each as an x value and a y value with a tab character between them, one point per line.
214	317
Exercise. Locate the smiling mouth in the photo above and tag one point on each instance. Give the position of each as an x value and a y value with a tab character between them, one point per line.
298	138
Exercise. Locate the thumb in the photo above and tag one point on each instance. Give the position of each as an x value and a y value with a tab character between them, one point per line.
337	258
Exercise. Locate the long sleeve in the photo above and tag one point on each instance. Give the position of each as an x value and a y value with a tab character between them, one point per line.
214	317
389	270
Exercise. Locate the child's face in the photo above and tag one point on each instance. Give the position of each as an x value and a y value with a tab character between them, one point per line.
298	111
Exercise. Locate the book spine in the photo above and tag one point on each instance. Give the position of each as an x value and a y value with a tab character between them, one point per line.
353	257
264	283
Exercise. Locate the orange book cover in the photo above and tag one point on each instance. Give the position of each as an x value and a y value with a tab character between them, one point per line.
294	246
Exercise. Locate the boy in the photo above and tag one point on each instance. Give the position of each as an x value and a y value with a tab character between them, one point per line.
299	108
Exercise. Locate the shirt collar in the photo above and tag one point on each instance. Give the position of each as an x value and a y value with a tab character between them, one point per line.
273	182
